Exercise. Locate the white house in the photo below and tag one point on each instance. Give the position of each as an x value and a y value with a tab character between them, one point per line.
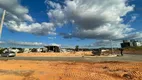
138	44
14	50
27	50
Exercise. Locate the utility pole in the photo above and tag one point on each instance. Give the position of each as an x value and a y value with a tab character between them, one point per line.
111	47
2	21
1	25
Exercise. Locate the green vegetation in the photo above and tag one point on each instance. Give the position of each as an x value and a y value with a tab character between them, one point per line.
21	50
1	50
76	48
133	48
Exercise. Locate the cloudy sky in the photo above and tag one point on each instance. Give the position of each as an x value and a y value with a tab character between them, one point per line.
71	22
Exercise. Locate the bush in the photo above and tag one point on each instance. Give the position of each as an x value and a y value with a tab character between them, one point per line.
1	51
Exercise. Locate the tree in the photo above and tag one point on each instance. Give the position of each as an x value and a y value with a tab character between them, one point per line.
1	50
76	48
34	50
21	50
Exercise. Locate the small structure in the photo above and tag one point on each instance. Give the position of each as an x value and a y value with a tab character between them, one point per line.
44	49
63	50
53	48
39	49
126	44
138	44
100	51
96	52
26	50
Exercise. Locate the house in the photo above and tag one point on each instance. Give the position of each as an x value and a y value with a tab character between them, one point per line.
44	49
26	50
39	49
138	44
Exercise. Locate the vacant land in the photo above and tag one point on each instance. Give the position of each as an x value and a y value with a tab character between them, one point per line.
52	54
133	51
45	70
72	54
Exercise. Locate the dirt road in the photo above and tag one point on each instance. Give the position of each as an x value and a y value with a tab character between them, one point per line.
126	57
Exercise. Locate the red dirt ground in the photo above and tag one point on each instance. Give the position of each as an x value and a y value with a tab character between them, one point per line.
45	70
71	54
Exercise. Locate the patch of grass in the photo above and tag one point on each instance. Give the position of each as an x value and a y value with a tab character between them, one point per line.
133	48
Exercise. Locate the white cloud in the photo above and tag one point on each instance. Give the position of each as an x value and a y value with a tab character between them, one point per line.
136	35
51	38
27	43
28	18
105	43
18	19
96	19
55	44
93	19
34	28
133	18
2	42
13	7
23	43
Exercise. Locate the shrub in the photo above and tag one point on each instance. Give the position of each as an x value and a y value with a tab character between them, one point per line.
1	50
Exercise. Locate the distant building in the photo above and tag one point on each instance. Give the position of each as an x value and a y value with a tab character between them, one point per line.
26	50
53	48
39	50
126	44
138	44
44	49
131	43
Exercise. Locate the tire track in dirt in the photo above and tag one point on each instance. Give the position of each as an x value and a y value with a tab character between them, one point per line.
27	74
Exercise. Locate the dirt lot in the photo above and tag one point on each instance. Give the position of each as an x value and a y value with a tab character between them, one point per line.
71	54
133	52
52	54
45	70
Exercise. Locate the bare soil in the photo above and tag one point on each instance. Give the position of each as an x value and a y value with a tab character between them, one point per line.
45	70
133	51
73	54
53	54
